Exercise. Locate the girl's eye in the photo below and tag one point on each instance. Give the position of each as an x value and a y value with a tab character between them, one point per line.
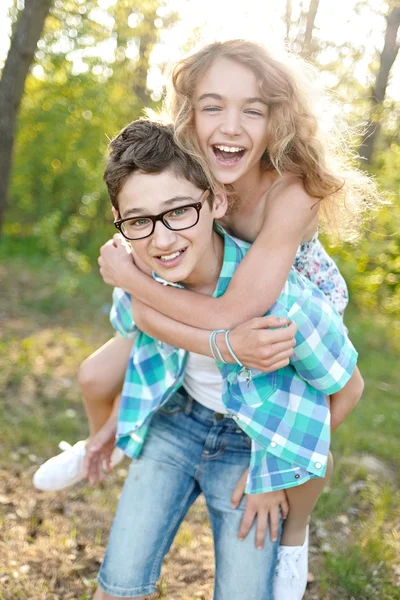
256	113
212	109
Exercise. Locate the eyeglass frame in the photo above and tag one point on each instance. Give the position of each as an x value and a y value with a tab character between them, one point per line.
155	218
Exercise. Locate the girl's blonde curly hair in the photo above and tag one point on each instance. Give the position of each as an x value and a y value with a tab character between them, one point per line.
297	143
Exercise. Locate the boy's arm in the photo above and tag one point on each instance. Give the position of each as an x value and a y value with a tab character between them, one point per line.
343	402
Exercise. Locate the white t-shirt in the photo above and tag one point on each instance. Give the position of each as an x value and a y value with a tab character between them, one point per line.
203	382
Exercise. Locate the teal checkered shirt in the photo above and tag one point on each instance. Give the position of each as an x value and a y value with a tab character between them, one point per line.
284	413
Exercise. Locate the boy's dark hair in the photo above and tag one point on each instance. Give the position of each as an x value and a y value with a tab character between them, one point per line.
148	147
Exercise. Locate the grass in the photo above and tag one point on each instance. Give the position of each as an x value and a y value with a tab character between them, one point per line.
51	544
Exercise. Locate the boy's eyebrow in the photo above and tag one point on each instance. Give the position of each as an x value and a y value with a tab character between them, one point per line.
219	97
165	204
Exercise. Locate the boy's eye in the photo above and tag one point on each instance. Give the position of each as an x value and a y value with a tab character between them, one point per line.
138	223
177	212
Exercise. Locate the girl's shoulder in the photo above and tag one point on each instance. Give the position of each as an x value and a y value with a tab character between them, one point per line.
288	192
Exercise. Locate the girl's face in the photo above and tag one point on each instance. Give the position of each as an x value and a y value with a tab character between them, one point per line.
231	120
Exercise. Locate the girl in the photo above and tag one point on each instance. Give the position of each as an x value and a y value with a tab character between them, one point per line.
247	118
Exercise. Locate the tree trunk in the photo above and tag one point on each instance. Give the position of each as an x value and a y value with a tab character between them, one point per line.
387	58
310	24
22	49
288	19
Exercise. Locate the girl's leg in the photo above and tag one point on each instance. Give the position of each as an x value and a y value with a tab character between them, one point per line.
101	377
302	500
291	574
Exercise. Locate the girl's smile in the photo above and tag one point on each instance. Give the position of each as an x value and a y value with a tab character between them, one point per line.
231	121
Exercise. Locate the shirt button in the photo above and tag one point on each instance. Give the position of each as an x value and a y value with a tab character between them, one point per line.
273	444
206	452
318	465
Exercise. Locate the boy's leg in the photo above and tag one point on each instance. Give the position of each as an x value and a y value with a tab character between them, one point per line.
241	571
157	494
101	377
101	595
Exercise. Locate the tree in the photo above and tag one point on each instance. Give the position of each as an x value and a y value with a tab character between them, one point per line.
22	49
387	58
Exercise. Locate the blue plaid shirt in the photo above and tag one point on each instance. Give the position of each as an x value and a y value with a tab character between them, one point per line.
284	413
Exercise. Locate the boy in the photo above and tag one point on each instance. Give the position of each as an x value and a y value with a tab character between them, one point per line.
194	438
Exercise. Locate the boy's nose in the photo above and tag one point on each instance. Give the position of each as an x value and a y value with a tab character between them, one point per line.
163	238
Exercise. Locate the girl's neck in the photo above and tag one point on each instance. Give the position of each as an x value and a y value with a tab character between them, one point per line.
251	187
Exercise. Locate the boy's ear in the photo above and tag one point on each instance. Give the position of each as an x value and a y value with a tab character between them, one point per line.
220	205
115	213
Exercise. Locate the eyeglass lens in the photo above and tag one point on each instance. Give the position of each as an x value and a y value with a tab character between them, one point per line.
176	219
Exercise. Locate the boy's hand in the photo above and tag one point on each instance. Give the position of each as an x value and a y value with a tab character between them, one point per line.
98	455
263	506
116	261
263	343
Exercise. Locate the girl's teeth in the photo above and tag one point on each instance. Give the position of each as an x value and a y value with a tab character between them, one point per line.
170	256
229	149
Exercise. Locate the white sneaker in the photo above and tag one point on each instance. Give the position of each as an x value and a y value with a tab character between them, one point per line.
66	469
290	580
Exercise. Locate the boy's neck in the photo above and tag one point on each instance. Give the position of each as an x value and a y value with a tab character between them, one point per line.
205	278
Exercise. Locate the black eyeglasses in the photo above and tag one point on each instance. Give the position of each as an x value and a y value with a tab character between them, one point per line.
176	219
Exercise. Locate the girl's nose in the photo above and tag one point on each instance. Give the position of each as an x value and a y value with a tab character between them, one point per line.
231	125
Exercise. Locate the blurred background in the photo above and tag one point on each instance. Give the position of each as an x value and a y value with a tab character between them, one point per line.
73	73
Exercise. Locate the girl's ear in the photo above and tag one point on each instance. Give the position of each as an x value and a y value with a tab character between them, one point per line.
115	213
220	205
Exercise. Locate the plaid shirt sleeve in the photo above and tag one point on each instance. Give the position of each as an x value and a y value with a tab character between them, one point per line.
121	314
323	355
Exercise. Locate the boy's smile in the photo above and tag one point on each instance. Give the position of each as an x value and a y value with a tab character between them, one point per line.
191	256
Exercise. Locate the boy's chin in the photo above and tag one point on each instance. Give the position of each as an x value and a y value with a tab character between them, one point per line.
171	275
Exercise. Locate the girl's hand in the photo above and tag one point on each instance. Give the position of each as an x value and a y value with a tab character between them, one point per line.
116	262
263	506
263	343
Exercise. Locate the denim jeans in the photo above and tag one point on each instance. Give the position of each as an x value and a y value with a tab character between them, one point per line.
189	450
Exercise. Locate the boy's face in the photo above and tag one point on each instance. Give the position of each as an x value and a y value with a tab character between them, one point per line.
185	256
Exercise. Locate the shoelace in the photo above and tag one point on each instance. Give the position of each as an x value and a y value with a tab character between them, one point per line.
287	562
64	446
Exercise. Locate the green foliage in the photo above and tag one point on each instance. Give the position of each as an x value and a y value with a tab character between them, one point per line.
88	82
372	266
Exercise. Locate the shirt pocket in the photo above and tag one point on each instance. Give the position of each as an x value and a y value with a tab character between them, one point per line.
252	391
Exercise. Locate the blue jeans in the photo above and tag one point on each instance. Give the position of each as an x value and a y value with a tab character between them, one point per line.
189	450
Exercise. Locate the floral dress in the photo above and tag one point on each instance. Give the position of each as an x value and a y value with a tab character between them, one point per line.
313	262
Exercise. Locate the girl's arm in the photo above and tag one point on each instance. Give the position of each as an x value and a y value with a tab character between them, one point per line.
256	284
255	345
